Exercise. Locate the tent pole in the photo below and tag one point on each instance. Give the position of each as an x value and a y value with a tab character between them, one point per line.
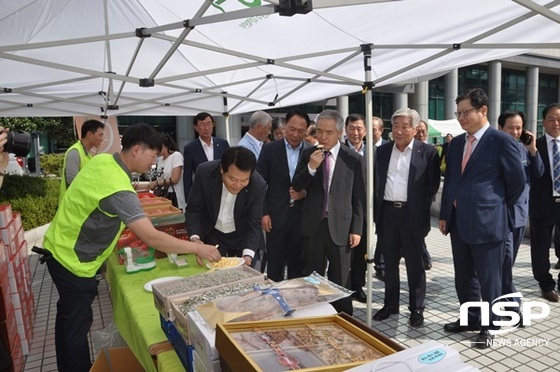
226	116
370	148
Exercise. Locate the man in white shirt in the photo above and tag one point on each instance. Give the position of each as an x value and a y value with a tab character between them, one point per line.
226	203
259	130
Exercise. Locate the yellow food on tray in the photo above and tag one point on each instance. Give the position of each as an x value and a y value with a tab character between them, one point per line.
226	263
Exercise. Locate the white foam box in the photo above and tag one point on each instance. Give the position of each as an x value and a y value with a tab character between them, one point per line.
203	338
431	356
199	366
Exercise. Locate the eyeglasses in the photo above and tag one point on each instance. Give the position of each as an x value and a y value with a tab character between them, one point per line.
154	156
464	112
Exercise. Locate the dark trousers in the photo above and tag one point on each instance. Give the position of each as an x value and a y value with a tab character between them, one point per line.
74	317
359	264
541	238
397	241
284	246
229	245
379	261
321	248
512	247
478	272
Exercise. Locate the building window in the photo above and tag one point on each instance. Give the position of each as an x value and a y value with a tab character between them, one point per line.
436	108
513	90
473	77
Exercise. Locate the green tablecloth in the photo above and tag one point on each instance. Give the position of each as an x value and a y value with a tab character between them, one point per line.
134	313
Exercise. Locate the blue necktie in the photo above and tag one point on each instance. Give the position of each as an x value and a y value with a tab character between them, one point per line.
556	165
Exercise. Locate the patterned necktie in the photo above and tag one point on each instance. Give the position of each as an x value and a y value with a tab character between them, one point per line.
466	157
556	165
326	178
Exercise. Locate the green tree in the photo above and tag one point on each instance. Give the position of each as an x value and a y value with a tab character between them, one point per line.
59	130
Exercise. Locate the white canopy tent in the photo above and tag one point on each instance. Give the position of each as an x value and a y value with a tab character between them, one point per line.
173	57
443	127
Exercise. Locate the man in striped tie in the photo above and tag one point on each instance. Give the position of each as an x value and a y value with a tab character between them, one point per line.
544	202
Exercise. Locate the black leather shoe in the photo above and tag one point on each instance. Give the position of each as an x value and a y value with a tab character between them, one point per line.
384	313
360	295
551	295
380	274
427	266
557	266
483	340
456	327
416	319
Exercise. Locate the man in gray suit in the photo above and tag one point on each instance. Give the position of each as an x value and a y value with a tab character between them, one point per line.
259	130
332	215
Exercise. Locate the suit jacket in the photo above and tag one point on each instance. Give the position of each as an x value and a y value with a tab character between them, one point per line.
194	155
423	183
540	195
250	144
273	167
346	196
534	168
492	182
204	205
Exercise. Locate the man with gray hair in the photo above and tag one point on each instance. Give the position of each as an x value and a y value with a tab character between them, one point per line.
259	130
333	210
408	179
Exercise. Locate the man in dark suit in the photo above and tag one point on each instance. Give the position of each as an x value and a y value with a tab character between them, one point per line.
201	150
409	178
282	205
225	204
332	216
544	202
512	122
355	125
484	177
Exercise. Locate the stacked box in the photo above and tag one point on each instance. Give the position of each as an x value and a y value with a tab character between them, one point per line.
219	278
16	280
6	214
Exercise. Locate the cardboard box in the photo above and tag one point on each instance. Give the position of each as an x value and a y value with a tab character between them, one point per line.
163	302
120	359
154	201
18	361
178	230
6	215
312	344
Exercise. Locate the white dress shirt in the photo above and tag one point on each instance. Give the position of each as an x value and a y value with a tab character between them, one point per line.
208	149
396	186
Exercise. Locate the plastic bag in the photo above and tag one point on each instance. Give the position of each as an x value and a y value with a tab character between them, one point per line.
107	337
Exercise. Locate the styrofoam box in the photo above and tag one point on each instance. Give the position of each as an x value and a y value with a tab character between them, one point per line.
203	338
6	215
199	366
432	356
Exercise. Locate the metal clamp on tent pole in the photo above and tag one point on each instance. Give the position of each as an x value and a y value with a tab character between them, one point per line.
140	32
368	85
147	82
457	46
